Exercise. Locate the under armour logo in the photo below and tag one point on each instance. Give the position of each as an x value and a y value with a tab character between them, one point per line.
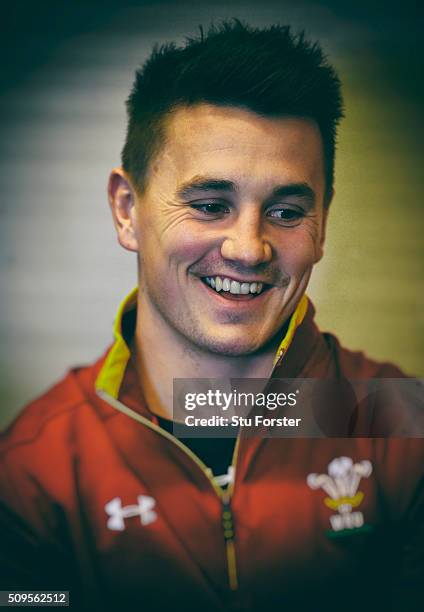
118	513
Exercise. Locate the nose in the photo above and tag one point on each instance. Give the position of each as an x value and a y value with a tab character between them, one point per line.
245	243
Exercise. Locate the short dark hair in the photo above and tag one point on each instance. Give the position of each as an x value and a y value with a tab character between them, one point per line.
270	71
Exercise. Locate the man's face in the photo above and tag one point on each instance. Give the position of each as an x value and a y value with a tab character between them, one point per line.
233	200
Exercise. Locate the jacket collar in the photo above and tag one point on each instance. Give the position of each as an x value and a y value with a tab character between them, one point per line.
112	372
114	376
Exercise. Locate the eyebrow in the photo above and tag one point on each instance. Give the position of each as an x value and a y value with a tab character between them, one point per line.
199	183
300	190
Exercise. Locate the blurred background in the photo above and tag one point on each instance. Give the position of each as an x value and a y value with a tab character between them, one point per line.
67	68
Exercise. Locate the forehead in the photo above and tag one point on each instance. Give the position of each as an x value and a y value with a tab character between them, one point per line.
240	145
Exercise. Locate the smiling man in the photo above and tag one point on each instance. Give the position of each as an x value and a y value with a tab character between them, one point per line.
223	194
227	228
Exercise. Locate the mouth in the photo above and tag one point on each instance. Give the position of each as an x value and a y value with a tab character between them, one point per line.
232	289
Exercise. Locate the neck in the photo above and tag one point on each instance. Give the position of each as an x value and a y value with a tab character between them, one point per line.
162	354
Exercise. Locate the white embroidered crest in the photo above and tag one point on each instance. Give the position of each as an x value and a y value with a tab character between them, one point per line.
341	484
118	513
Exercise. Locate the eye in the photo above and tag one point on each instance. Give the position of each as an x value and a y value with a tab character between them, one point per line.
211	208
286	216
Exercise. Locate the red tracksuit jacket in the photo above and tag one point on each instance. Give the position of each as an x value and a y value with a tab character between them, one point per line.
122	515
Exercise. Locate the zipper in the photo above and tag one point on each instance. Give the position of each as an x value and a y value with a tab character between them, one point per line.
229	536
224	496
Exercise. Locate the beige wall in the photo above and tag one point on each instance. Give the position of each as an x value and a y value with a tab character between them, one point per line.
369	288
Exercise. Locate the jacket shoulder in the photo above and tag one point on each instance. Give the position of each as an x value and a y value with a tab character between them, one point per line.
356	364
62	399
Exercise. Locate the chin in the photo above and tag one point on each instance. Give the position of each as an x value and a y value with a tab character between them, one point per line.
229	347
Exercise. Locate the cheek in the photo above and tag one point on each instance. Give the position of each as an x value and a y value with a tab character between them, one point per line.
189	248
178	248
298	253
188	242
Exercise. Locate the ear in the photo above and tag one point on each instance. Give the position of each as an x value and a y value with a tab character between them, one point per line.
122	202
326	208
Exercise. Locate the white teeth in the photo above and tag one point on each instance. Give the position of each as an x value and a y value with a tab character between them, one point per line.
226	285
233	286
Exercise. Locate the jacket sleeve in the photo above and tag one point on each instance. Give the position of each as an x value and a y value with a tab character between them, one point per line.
409	588
32	556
